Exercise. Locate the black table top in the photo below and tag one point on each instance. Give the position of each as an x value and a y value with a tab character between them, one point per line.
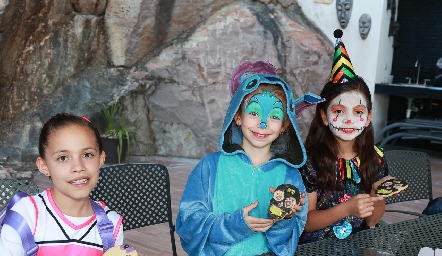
401	238
409	91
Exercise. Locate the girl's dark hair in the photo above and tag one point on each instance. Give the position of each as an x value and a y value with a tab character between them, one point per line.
62	120
324	157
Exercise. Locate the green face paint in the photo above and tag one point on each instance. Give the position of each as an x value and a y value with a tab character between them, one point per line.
265	105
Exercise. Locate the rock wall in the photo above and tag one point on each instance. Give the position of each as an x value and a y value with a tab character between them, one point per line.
169	62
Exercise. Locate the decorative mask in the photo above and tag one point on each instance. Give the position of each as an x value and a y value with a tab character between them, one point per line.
364	25
343	10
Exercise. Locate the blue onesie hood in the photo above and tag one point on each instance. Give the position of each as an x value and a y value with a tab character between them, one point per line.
288	147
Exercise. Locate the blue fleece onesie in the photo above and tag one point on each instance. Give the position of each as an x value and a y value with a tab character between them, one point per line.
211	220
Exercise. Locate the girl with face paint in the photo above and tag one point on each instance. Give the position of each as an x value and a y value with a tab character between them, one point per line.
344	167
224	207
261	119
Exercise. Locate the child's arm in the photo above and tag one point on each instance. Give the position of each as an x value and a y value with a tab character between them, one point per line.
256	224
10	240
379	206
201	230
120	237
118	233
378	212
361	205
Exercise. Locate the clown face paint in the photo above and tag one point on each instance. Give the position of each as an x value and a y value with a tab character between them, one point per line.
265	105
347	115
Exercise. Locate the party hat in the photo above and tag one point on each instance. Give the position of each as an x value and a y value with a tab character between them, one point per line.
342	69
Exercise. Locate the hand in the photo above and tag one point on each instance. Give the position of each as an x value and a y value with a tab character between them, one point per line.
362	205
256	224
295	209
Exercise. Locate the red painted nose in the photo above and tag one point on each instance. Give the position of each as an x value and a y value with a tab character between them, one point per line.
348	121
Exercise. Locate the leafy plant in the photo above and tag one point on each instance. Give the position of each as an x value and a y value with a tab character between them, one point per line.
115	127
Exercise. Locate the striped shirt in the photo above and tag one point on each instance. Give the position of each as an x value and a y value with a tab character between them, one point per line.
56	233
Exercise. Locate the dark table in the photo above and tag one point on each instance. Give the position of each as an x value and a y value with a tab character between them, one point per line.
409	90
401	238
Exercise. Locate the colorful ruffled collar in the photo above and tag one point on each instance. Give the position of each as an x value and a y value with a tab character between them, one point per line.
349	169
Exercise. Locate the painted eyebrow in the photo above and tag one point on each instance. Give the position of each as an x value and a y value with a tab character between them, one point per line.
251	98
337	106
277	102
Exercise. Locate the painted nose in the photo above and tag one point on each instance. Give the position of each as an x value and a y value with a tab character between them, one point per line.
349	121
262	125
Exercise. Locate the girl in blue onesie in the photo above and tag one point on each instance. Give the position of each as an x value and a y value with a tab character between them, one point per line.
223	209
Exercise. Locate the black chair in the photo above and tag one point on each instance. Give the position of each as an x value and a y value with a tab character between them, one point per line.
413	167
139	192
10	187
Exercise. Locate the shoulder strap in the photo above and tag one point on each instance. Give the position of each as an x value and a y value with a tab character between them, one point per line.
11	203
104	225
16	221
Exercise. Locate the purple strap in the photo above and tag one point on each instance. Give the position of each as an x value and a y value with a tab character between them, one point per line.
104	225
16	221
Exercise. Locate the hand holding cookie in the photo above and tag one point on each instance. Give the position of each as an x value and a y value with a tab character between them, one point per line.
285	198
391	187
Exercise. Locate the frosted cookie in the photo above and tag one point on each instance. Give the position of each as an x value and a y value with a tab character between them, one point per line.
391	187
285	198
121	250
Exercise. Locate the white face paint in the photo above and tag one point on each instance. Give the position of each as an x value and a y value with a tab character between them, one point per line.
347	115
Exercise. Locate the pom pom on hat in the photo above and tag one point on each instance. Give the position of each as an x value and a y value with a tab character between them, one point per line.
338	33
342	69
258	67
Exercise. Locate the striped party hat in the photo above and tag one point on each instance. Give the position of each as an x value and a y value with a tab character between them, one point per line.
342	69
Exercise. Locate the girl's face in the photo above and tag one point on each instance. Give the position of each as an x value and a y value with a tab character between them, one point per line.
261	120
72	160
347	115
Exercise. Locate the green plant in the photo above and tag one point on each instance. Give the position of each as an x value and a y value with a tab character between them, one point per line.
115	127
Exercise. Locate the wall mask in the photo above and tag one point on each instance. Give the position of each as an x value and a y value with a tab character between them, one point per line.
343	10
364	25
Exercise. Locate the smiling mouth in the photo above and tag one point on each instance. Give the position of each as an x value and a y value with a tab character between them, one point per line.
260	135
348	130
79	182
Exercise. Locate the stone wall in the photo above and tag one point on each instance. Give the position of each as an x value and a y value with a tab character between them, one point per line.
169	62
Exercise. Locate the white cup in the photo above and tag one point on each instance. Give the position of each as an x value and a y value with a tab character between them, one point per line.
390	79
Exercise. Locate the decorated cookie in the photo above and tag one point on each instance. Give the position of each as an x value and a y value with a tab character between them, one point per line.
391	187
121	250
285	197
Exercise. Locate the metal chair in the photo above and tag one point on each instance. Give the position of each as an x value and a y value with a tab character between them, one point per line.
139	192
413	167
10	187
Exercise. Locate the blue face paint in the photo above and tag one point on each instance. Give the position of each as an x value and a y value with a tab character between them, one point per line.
265	105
